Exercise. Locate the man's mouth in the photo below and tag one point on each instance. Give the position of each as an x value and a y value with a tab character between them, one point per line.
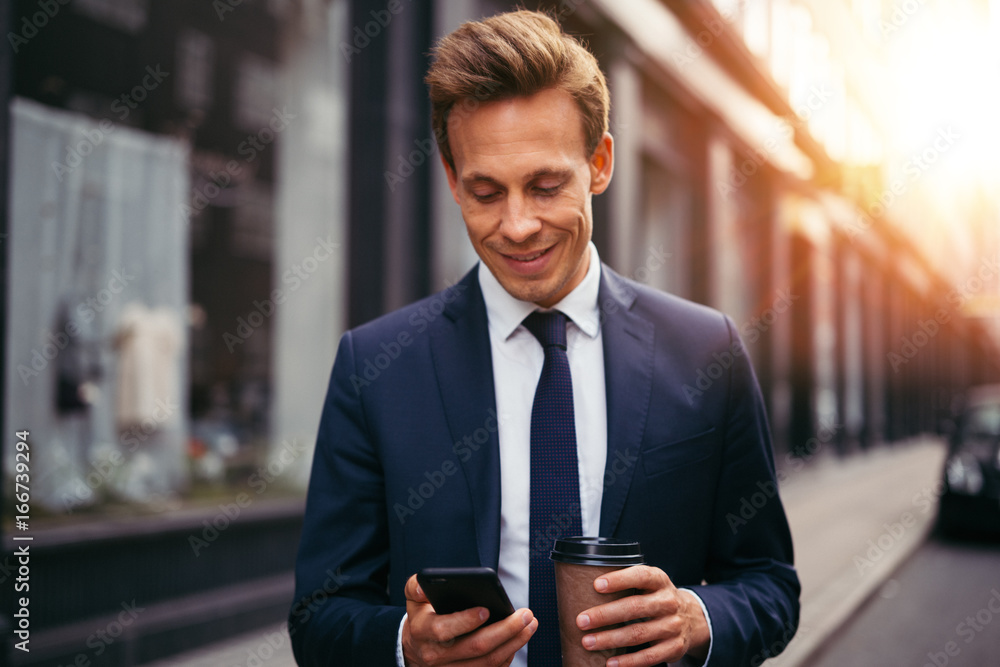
527	257
528	264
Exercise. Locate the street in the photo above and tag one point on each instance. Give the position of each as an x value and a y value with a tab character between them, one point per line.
941	608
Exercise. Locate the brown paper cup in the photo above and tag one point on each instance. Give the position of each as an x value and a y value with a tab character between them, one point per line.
578	562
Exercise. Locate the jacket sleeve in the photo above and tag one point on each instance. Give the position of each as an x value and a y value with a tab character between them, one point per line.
752	590
341	613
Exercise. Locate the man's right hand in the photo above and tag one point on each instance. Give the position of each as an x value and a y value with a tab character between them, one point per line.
430	639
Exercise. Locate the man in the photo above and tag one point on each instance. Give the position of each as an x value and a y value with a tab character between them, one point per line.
432	462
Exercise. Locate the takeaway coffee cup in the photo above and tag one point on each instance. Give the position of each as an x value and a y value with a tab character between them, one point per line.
578	562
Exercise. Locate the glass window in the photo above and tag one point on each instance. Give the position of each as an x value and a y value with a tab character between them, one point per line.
663	244
252	223
983	421
782	42
731	9
739	236
130	15
869	14
256	92
195	55
757	27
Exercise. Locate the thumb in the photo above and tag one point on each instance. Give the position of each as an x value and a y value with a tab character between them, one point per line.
413	592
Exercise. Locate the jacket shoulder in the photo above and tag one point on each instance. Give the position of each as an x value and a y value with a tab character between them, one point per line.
665	309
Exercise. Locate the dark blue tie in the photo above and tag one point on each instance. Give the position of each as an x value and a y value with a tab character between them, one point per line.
555	482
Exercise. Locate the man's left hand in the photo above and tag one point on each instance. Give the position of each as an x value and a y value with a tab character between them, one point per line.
669	620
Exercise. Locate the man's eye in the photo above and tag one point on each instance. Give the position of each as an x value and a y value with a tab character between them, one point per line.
548	192
485	196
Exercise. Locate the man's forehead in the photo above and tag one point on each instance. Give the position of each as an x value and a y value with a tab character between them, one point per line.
548	122
543	114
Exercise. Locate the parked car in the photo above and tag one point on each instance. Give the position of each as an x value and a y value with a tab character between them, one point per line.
970	500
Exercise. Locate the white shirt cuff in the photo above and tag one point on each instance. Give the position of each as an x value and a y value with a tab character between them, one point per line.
399	642
704	610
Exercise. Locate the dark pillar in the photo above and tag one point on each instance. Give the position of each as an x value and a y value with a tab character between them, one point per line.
701	193
767	274
842	296
389	158
411	150
803	375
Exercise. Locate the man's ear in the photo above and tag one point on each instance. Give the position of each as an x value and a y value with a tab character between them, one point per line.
452	178
602	164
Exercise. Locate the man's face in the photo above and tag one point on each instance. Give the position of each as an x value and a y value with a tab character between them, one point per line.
524	183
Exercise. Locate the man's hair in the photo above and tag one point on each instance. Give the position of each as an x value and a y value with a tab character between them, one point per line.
509	55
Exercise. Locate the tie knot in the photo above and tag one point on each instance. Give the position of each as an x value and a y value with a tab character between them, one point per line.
549	327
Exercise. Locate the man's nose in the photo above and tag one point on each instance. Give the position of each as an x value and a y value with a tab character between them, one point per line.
519	222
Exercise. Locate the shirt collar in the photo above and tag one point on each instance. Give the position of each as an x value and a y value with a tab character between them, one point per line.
505	312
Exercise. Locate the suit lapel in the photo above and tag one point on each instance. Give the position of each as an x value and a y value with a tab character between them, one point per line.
460	347
628	377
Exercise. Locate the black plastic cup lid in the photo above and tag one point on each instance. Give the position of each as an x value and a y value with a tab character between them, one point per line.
602	551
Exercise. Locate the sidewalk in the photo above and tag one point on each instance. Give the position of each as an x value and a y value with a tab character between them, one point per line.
265	647
854	522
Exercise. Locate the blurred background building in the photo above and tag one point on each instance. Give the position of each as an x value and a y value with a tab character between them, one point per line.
202	196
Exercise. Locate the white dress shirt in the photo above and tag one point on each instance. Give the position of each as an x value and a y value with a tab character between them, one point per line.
517	366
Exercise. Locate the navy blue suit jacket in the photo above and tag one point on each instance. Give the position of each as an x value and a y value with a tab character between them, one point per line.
406	472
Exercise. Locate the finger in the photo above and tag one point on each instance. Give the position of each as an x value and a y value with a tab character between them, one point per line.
658	654
446	628
488	641
623	610
668	629
521	639
641	577
504	653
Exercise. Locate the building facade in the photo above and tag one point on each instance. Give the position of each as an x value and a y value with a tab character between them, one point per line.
204	196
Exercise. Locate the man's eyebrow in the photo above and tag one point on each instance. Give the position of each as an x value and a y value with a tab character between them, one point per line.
476	177
549	171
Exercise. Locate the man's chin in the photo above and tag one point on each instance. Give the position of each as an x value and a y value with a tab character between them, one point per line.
527	290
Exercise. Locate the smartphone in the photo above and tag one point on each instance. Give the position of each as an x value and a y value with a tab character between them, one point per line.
452	589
